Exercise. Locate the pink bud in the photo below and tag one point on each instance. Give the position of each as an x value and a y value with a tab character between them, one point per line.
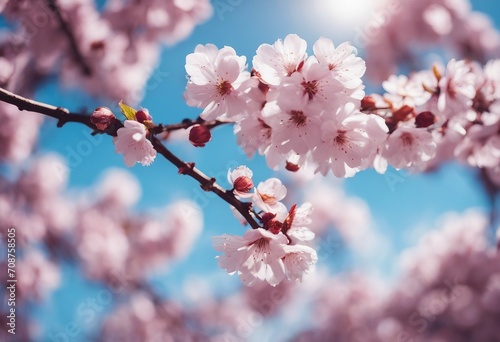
199	135
102	118
143	115
243	184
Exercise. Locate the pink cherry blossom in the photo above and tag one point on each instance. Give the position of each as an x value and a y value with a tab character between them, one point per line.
268	194
131	140
217	81
299	261
345	145
276	62
296	128
341	60
409	147
255	257
456	88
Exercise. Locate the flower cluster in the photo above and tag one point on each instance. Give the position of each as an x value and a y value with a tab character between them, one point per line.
278	249
119	44
427	24
292	108
449	291
434	115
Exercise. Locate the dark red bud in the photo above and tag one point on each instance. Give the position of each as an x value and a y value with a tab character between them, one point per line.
243	184
102	118
402	113
292	167
425	119
143	115
367	103
199	135
270	223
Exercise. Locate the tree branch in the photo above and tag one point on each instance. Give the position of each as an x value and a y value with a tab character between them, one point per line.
70	36
63	116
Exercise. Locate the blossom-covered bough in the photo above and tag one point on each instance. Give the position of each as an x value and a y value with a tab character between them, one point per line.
297	110
302	109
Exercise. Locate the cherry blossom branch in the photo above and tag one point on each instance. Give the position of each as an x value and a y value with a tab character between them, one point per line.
70	36
186	123
63	116
206	183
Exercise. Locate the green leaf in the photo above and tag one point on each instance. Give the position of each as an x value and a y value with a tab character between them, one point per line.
127	111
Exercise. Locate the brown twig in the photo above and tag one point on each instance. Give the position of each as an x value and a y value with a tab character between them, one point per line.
70	36
186	123
63	116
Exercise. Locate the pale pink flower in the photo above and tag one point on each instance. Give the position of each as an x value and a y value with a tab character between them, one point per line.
345	145
253	134
132	142
409	147
268	194
341	60
278	61
405	91
241	180
217	82
299	260
456	89
299	232
313	84
256	257
295	128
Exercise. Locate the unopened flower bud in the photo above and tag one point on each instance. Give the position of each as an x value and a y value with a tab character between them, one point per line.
243	184
199	135
292	167
425	119
102	118
367	103
143	115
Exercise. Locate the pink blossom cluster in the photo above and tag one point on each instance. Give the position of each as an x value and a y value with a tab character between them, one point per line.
450	112
119	46
280	248
292	108
449	291
400	30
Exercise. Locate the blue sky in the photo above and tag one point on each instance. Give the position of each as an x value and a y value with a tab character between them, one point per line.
413	201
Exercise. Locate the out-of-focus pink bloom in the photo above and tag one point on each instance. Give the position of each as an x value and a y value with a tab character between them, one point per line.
132	142
36	275
456	89
409	147
118	187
